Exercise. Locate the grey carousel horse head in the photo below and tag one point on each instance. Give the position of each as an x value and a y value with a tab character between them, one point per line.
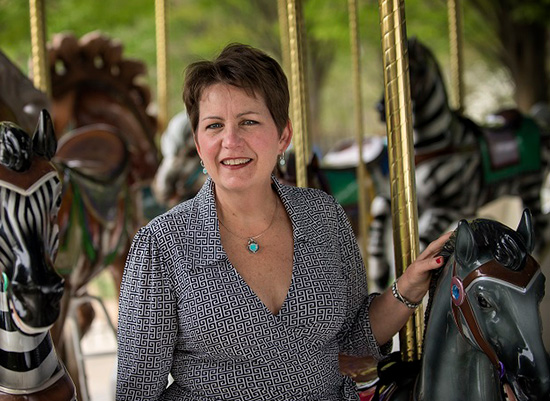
30	196
496	288
483	334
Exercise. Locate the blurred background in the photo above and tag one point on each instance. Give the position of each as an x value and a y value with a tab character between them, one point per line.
498	39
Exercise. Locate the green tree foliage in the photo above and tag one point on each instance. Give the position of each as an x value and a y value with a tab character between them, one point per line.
200	28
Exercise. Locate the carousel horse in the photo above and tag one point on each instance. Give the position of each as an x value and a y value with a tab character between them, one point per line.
107	158
30	287
106	154
483	328
338	167
180	175
460	165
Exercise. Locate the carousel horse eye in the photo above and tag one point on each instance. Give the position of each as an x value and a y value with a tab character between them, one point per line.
482	302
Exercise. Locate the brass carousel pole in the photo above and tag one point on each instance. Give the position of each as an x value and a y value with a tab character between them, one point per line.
285	45
456	47
162	73
298	89
363	199
283	28
40	72
401	157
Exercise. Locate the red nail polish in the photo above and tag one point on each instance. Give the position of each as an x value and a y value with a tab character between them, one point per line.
439	259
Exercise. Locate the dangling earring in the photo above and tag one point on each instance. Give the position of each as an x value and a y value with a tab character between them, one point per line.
203	168
281	159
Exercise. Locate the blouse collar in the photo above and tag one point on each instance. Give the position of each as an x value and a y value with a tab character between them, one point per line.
207	218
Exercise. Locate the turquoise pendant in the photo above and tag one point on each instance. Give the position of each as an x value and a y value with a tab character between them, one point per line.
253	246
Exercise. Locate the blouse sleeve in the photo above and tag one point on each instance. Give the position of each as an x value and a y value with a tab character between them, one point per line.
147	323
357	337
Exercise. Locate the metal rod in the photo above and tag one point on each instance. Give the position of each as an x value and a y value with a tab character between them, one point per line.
298	89
456	50
40	71
363	199
401	156
162	69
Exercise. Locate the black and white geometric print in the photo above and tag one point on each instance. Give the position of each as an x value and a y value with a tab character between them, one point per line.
185	310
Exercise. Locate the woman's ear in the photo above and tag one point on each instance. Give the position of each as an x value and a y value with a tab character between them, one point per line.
197	144
286	137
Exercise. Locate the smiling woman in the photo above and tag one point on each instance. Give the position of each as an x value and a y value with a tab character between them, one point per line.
251	289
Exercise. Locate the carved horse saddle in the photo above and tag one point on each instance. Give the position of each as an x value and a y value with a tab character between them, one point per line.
510	147
97	159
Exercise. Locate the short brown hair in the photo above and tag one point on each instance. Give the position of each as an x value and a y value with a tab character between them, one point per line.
246	68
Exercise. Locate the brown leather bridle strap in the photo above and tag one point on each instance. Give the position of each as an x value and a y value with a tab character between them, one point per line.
474	328
491	269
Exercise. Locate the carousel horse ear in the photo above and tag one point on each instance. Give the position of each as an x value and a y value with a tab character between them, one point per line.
526	230
43	140
465	246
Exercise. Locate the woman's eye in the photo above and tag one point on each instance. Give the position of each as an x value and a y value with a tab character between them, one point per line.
249	122
214	126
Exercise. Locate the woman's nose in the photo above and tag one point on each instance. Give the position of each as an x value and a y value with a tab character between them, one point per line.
231	137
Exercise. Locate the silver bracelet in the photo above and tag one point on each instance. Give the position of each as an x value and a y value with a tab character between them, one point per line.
400	298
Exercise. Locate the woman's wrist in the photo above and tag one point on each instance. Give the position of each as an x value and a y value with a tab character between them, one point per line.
407	302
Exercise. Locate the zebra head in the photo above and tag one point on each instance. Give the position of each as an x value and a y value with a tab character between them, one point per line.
426	82
30	197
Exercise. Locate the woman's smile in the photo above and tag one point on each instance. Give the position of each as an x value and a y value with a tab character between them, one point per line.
236	162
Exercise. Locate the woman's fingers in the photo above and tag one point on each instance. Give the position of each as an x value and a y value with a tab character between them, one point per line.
435	246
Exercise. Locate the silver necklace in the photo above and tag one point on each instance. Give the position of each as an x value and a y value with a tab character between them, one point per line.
252	245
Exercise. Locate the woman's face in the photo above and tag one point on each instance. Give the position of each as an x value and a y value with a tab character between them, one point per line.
237	138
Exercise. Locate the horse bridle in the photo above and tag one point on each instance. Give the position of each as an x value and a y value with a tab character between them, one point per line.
520	280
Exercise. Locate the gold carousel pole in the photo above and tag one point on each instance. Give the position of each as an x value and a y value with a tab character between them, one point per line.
40	72
285	45
283	28
358	111
162	73
298	89
401	157
456	47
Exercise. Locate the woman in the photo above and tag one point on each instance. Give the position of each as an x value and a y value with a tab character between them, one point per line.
250	290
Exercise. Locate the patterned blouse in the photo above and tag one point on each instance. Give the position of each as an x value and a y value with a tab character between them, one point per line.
185	311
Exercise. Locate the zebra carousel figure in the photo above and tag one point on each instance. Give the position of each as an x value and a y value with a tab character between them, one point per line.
460	166
30	288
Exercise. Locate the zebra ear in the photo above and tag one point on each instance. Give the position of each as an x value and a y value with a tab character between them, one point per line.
466	251
526	230
43	141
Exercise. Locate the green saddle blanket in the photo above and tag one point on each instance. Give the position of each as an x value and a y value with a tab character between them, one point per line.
507	153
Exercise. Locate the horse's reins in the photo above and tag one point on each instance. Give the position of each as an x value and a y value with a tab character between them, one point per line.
493	270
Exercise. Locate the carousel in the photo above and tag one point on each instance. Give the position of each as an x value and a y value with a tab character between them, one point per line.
82	155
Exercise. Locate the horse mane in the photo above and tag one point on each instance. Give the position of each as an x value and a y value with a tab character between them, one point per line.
15	147
504	244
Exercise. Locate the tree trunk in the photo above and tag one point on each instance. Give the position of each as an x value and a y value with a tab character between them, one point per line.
524	53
